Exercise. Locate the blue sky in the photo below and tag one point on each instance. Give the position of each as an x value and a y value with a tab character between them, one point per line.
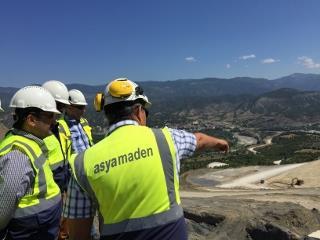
92	42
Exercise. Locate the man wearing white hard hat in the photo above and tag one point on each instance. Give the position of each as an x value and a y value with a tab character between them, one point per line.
59	144
30	203
77	127
133	173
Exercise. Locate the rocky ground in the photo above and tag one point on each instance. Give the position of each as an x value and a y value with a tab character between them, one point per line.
277	208
236	219
273	210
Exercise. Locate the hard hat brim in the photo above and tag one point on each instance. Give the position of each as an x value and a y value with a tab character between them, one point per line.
62	101
55	111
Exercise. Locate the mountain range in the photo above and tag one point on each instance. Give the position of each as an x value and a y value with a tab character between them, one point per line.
290	101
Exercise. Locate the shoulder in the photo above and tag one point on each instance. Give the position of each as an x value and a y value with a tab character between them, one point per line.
83	120
182	135
63	126
185	142
16	160
14	155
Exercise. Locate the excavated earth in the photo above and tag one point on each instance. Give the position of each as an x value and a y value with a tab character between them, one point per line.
236	219
273	210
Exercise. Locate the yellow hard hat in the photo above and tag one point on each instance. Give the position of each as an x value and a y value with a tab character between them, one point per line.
120	90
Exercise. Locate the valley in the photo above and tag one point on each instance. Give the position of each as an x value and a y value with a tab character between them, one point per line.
269	185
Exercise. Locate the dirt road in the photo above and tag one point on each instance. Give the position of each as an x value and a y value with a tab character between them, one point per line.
252	180
244	183
267	141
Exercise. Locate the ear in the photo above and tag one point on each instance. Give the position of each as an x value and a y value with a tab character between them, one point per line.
137	115
31	120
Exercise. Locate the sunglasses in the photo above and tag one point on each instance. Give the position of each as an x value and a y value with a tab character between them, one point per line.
80	107
46	115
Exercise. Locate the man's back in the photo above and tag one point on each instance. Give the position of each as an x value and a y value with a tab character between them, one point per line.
136	167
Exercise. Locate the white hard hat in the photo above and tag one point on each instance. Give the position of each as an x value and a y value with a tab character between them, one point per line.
76	97
1	110
34	96
122	90
58	90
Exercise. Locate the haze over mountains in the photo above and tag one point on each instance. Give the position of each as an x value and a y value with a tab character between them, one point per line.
291	100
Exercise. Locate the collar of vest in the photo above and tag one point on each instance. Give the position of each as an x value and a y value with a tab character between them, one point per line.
122	123
28	135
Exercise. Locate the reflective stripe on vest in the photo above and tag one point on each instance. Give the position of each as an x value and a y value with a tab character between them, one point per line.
45	192
87	129
65	138
153	219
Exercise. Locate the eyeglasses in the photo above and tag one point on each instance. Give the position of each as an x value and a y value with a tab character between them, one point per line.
43	114
80	107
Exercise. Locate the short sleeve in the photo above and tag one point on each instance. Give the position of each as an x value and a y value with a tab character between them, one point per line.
185	144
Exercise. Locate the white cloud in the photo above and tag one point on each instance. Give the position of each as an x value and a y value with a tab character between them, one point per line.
246	57
228	66
308	62
269	61
190	59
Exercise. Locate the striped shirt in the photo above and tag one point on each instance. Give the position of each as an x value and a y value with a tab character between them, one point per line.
80	141
77	203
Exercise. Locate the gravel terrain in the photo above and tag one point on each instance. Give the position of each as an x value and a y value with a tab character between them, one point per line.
234	204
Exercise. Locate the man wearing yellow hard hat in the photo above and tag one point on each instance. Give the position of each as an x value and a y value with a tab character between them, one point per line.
132	175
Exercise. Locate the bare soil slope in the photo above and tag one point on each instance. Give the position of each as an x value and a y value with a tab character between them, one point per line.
309	173
274	209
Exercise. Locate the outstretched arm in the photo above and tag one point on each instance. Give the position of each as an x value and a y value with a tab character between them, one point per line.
208	142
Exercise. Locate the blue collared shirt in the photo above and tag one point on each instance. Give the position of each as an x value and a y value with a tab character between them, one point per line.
77	203
79	138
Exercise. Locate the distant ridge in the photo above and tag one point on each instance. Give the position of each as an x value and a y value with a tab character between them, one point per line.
210	86
286	101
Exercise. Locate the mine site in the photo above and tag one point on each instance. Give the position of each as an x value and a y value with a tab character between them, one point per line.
253	202
111	112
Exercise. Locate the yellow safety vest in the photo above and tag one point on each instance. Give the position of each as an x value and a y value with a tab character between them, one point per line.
132	176
56	156
45	192
65	135
87	129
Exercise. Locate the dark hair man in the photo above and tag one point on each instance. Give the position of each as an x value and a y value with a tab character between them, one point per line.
57	143
77	206
30	203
